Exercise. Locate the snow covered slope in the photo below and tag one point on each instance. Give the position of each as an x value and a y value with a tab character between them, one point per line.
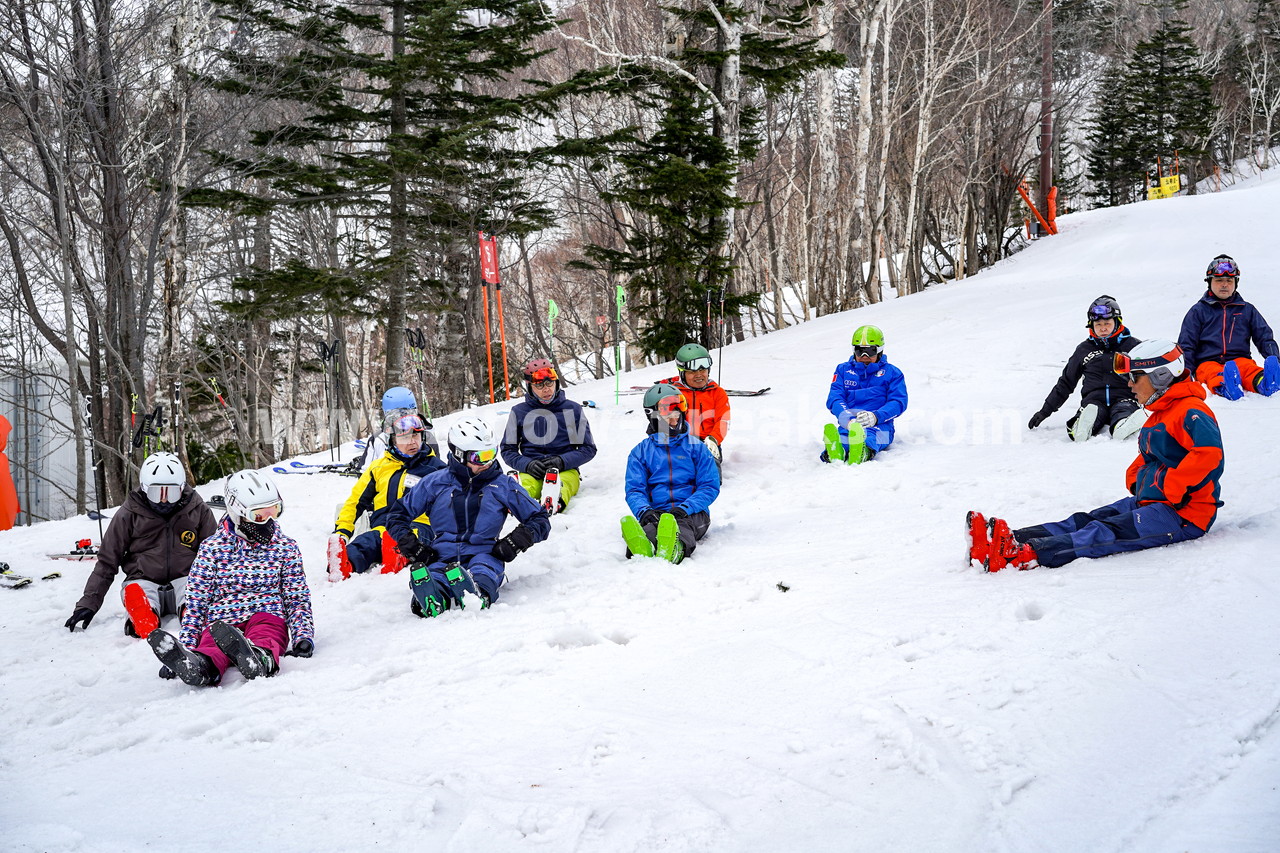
892	699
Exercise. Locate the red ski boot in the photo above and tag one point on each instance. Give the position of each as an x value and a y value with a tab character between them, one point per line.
141	615
979	544
1002	545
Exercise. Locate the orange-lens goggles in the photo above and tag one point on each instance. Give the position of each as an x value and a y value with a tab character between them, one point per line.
667	405
1122	364
543	374
482	457
264	513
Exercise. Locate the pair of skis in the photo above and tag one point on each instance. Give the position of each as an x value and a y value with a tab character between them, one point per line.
10	579
640	389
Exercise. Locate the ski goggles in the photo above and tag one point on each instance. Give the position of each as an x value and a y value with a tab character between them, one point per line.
408	425
543	375
164	494
263	514
1101	312
481	457
700	363
870	352
1123	365
1224	268
667	405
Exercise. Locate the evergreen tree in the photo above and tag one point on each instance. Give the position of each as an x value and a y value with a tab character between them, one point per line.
398	115
680	180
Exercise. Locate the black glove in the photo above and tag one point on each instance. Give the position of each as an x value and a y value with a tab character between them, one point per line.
1036	420
82	614
414	550
301	649
518	540
538	468
680	512
649	516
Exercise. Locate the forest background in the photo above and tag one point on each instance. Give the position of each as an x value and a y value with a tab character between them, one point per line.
253	217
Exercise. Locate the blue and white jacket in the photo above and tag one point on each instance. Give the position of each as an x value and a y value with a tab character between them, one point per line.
878	387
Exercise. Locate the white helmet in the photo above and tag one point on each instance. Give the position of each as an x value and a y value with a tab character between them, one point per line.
252	498
162	478
471	440
1162	361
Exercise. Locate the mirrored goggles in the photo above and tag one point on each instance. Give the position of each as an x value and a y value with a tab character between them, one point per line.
1224	268
859	351
667	405
164	494
702	363
408	425
261	514
1101	312
481	457
543	374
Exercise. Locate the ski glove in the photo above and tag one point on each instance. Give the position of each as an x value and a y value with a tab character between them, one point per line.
518	540
649	516
538	467
1186	499
680	512
167	673
301	649
867	419
416	551
82	614
845	417
1036	420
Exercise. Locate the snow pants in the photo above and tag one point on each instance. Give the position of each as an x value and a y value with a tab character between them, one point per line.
691	529
1108	415
165	599
1210	373
365	551
569	482
1111	529
878	438
265	630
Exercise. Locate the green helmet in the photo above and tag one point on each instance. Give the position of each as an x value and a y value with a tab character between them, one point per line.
693	357
868	336
660	392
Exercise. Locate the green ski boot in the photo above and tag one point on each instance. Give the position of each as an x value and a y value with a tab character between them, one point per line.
669	546
635	538
835	448
857	444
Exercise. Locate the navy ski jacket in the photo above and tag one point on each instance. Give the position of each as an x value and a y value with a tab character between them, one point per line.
665	472
467	512
1092	361
1217	330
536	429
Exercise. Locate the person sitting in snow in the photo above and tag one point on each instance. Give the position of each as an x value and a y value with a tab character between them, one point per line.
407	460
547	431
1173	483
397	402
153	539
1216	333
867	393
672	480
1105	398
463	550
708	413
245	595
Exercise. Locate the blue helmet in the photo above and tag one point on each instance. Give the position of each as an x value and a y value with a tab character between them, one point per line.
399	397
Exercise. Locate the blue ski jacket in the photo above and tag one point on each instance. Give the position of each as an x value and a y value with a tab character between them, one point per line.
1214	330
467	512
665	472
878	387
536	429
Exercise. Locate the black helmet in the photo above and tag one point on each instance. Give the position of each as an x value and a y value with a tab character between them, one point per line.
1222	265
1103	308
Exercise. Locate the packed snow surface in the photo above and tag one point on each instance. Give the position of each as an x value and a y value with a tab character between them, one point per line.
826	673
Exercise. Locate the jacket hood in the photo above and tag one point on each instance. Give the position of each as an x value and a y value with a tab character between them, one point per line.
1179	390
672	440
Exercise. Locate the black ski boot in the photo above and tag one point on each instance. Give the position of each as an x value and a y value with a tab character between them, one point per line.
250	660
192	667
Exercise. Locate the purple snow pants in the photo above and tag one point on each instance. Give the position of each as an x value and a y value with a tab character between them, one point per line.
265	630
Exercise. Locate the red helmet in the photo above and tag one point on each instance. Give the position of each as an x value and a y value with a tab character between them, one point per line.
540	369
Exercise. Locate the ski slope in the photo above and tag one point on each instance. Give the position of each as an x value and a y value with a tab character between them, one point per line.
891	699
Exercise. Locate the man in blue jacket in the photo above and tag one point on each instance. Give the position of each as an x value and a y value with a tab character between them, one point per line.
467	503
672	481
546	432
1216	333
866	394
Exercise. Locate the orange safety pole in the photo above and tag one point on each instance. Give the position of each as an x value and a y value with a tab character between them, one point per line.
1022	191
502	335
488	338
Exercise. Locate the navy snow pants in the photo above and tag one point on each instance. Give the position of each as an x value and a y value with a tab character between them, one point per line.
1111	529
